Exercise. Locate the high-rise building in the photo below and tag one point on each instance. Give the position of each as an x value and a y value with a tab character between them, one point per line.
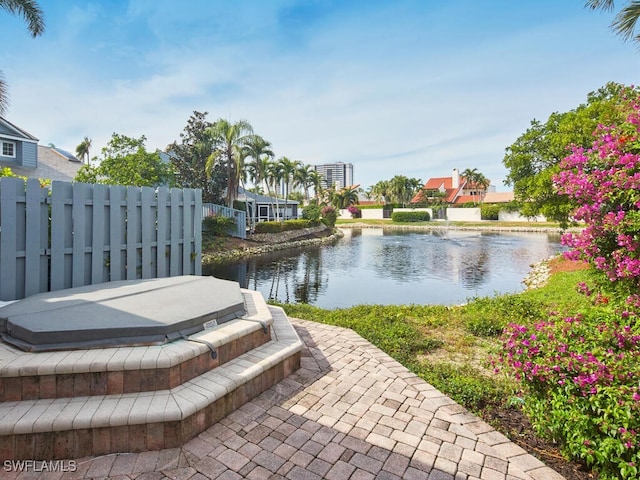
339	174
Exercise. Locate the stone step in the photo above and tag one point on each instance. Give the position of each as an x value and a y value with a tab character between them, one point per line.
72	427
121	370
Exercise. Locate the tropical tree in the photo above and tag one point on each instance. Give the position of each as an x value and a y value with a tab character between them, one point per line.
381	191
403	189
228	140
189	159
316	181
274	177
624	23
476	182
32	13
82	150
345	197
533	158
303	177
287	170
125	161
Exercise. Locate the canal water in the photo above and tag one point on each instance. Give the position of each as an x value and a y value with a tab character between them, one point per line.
373	266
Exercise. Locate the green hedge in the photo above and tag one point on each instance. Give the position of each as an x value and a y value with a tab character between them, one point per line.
216	226
489	211
404	217
288	225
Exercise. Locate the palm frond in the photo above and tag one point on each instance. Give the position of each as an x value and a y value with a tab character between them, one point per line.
625	21
4	95
29	10
600	4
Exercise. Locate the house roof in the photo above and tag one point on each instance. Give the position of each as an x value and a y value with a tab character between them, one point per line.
52	165
443	184
9	130
67	155
498	197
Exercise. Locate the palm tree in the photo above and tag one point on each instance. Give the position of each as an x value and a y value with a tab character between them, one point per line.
316	182
345	197
274	177
82	150
228	140
624	23
476	181
260	151
287	171
303	177
32	13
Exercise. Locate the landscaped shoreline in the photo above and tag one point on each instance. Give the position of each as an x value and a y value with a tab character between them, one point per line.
258	244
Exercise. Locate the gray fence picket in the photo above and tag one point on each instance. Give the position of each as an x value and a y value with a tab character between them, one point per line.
162	234
10	192
176	234
61	235
98	239
197	231
148	220
36	238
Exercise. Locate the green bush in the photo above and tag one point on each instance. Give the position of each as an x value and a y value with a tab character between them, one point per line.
279	227
216	225
405	217
581	376
312	213
489	211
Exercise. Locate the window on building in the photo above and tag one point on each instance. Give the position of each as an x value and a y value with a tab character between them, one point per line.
8	149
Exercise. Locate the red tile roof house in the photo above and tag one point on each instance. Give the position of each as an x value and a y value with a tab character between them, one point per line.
457	189
19	150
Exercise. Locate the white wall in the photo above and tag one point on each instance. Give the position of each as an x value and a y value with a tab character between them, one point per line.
463	214
504	216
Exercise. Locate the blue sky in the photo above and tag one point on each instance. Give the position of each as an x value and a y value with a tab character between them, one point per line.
409	87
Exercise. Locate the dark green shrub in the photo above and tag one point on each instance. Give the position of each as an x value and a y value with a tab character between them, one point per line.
269	227
312	213
489	211
278	227
405	217
216	225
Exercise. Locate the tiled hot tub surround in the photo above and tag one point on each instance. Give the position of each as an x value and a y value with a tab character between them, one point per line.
135	398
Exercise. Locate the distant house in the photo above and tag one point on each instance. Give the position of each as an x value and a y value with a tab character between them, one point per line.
453	190
19	150
263	208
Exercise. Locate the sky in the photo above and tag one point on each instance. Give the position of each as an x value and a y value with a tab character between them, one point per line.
395	87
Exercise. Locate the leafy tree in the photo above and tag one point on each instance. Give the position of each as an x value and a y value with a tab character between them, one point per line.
189	159
32	13
228	140
345	197
381	191
533	158
125	161
624	23
403	189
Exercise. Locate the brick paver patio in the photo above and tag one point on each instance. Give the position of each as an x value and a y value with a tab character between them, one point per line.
350	412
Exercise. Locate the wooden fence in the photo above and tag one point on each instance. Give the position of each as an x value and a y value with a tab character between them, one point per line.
77	234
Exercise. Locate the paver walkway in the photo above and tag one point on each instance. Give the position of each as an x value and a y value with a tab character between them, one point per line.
350	412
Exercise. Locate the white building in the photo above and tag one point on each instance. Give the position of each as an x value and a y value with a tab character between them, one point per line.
337	174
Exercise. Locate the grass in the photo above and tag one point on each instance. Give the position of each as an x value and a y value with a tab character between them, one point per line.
450	347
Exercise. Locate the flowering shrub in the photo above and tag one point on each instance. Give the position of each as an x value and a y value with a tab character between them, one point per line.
354	211
604	181
329	215
581	378
581	373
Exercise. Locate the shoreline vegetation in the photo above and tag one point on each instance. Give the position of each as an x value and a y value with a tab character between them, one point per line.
450	347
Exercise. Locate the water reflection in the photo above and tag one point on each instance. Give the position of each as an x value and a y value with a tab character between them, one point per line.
387	267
